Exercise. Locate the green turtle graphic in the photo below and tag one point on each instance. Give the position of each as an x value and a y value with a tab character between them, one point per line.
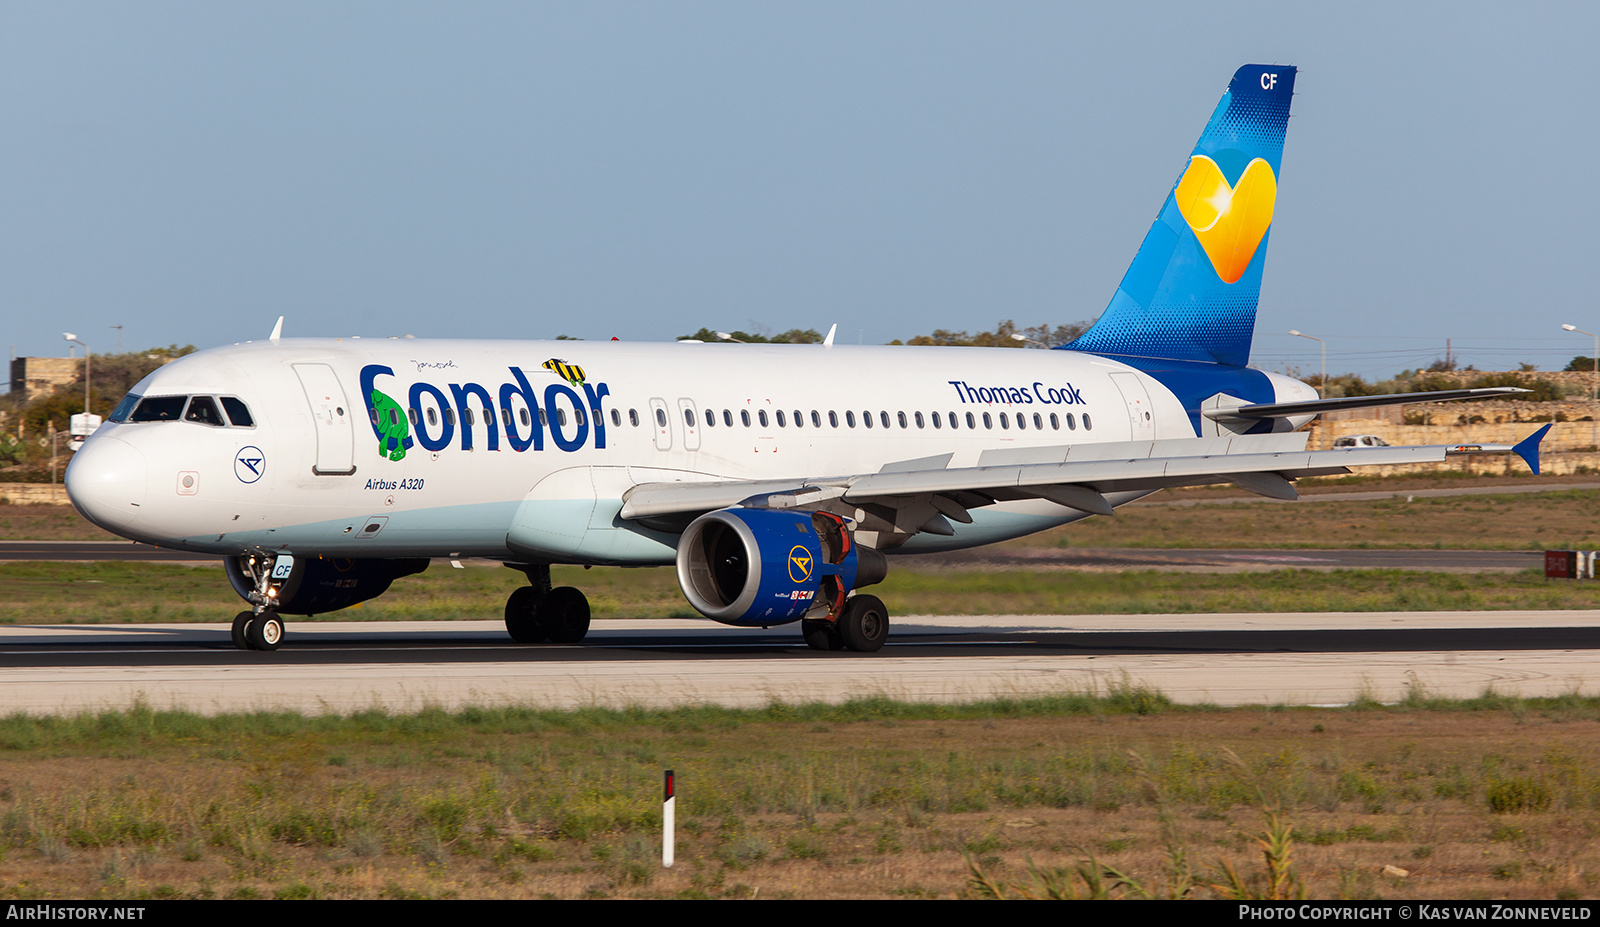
394	430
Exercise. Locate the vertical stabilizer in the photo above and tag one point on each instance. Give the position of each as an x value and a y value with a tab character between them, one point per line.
1192	289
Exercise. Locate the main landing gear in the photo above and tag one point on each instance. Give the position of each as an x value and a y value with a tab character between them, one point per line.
862	626
537	613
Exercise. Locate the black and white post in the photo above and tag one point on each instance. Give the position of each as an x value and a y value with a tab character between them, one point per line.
668	820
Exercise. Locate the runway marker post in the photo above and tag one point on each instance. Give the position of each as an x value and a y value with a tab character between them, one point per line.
668	820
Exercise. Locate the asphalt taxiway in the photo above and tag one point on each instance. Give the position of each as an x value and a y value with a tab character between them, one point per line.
1240	659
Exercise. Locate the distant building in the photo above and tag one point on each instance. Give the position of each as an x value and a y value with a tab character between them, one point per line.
39	376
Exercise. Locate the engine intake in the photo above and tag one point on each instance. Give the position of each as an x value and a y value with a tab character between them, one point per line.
318	585
765	566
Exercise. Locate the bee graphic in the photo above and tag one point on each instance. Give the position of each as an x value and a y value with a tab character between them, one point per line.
572	373
392	425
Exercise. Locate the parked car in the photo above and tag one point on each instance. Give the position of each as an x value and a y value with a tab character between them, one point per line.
1359	441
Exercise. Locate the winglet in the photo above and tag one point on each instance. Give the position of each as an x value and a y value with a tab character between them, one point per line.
277	331
828	341
1528	448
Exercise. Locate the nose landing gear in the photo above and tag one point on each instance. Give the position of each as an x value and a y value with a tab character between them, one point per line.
257	632
261	628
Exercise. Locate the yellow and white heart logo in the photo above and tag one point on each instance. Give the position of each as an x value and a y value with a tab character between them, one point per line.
1230	221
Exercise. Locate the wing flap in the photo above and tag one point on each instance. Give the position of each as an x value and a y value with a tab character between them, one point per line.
1037	480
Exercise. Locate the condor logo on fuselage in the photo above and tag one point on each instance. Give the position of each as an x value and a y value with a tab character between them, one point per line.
472	408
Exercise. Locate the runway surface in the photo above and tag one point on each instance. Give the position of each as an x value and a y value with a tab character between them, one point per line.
1012	558
1314	659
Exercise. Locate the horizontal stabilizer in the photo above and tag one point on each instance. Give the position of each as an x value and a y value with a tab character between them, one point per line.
1528	448
1313	406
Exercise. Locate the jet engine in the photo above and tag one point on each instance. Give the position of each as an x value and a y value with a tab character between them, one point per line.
317	585
747	566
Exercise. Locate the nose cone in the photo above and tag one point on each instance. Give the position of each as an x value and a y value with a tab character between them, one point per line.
106	481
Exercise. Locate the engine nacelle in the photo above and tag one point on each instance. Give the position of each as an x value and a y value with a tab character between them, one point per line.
318	585
771	566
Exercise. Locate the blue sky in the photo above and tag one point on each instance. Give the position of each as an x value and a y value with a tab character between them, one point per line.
191	171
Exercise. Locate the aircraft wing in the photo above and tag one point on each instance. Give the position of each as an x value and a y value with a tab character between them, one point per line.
1080	477
1312	406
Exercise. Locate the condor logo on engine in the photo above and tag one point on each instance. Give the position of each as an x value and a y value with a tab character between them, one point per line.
799	563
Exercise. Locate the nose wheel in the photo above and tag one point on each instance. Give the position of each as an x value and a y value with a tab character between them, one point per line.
257	632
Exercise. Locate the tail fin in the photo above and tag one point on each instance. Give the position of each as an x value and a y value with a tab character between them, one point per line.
1191	291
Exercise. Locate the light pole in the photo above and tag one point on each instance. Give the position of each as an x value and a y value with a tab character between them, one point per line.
1594	417
69	336
1323	383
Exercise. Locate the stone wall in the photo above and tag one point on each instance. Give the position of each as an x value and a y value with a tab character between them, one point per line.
33	494
39	376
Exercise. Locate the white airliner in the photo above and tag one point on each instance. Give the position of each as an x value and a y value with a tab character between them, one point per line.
775	477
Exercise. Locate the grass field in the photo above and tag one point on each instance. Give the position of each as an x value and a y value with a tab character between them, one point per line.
1567	520
1111	794
1510	521
63	593
1119	795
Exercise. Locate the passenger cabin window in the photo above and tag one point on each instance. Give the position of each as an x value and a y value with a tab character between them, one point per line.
616	418
159	409
762	415
744	415
633	417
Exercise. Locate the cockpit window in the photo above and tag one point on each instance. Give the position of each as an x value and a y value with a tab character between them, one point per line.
238	412
159	409
203	409
125	408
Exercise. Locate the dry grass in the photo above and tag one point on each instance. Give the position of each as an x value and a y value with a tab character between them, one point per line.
865	801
